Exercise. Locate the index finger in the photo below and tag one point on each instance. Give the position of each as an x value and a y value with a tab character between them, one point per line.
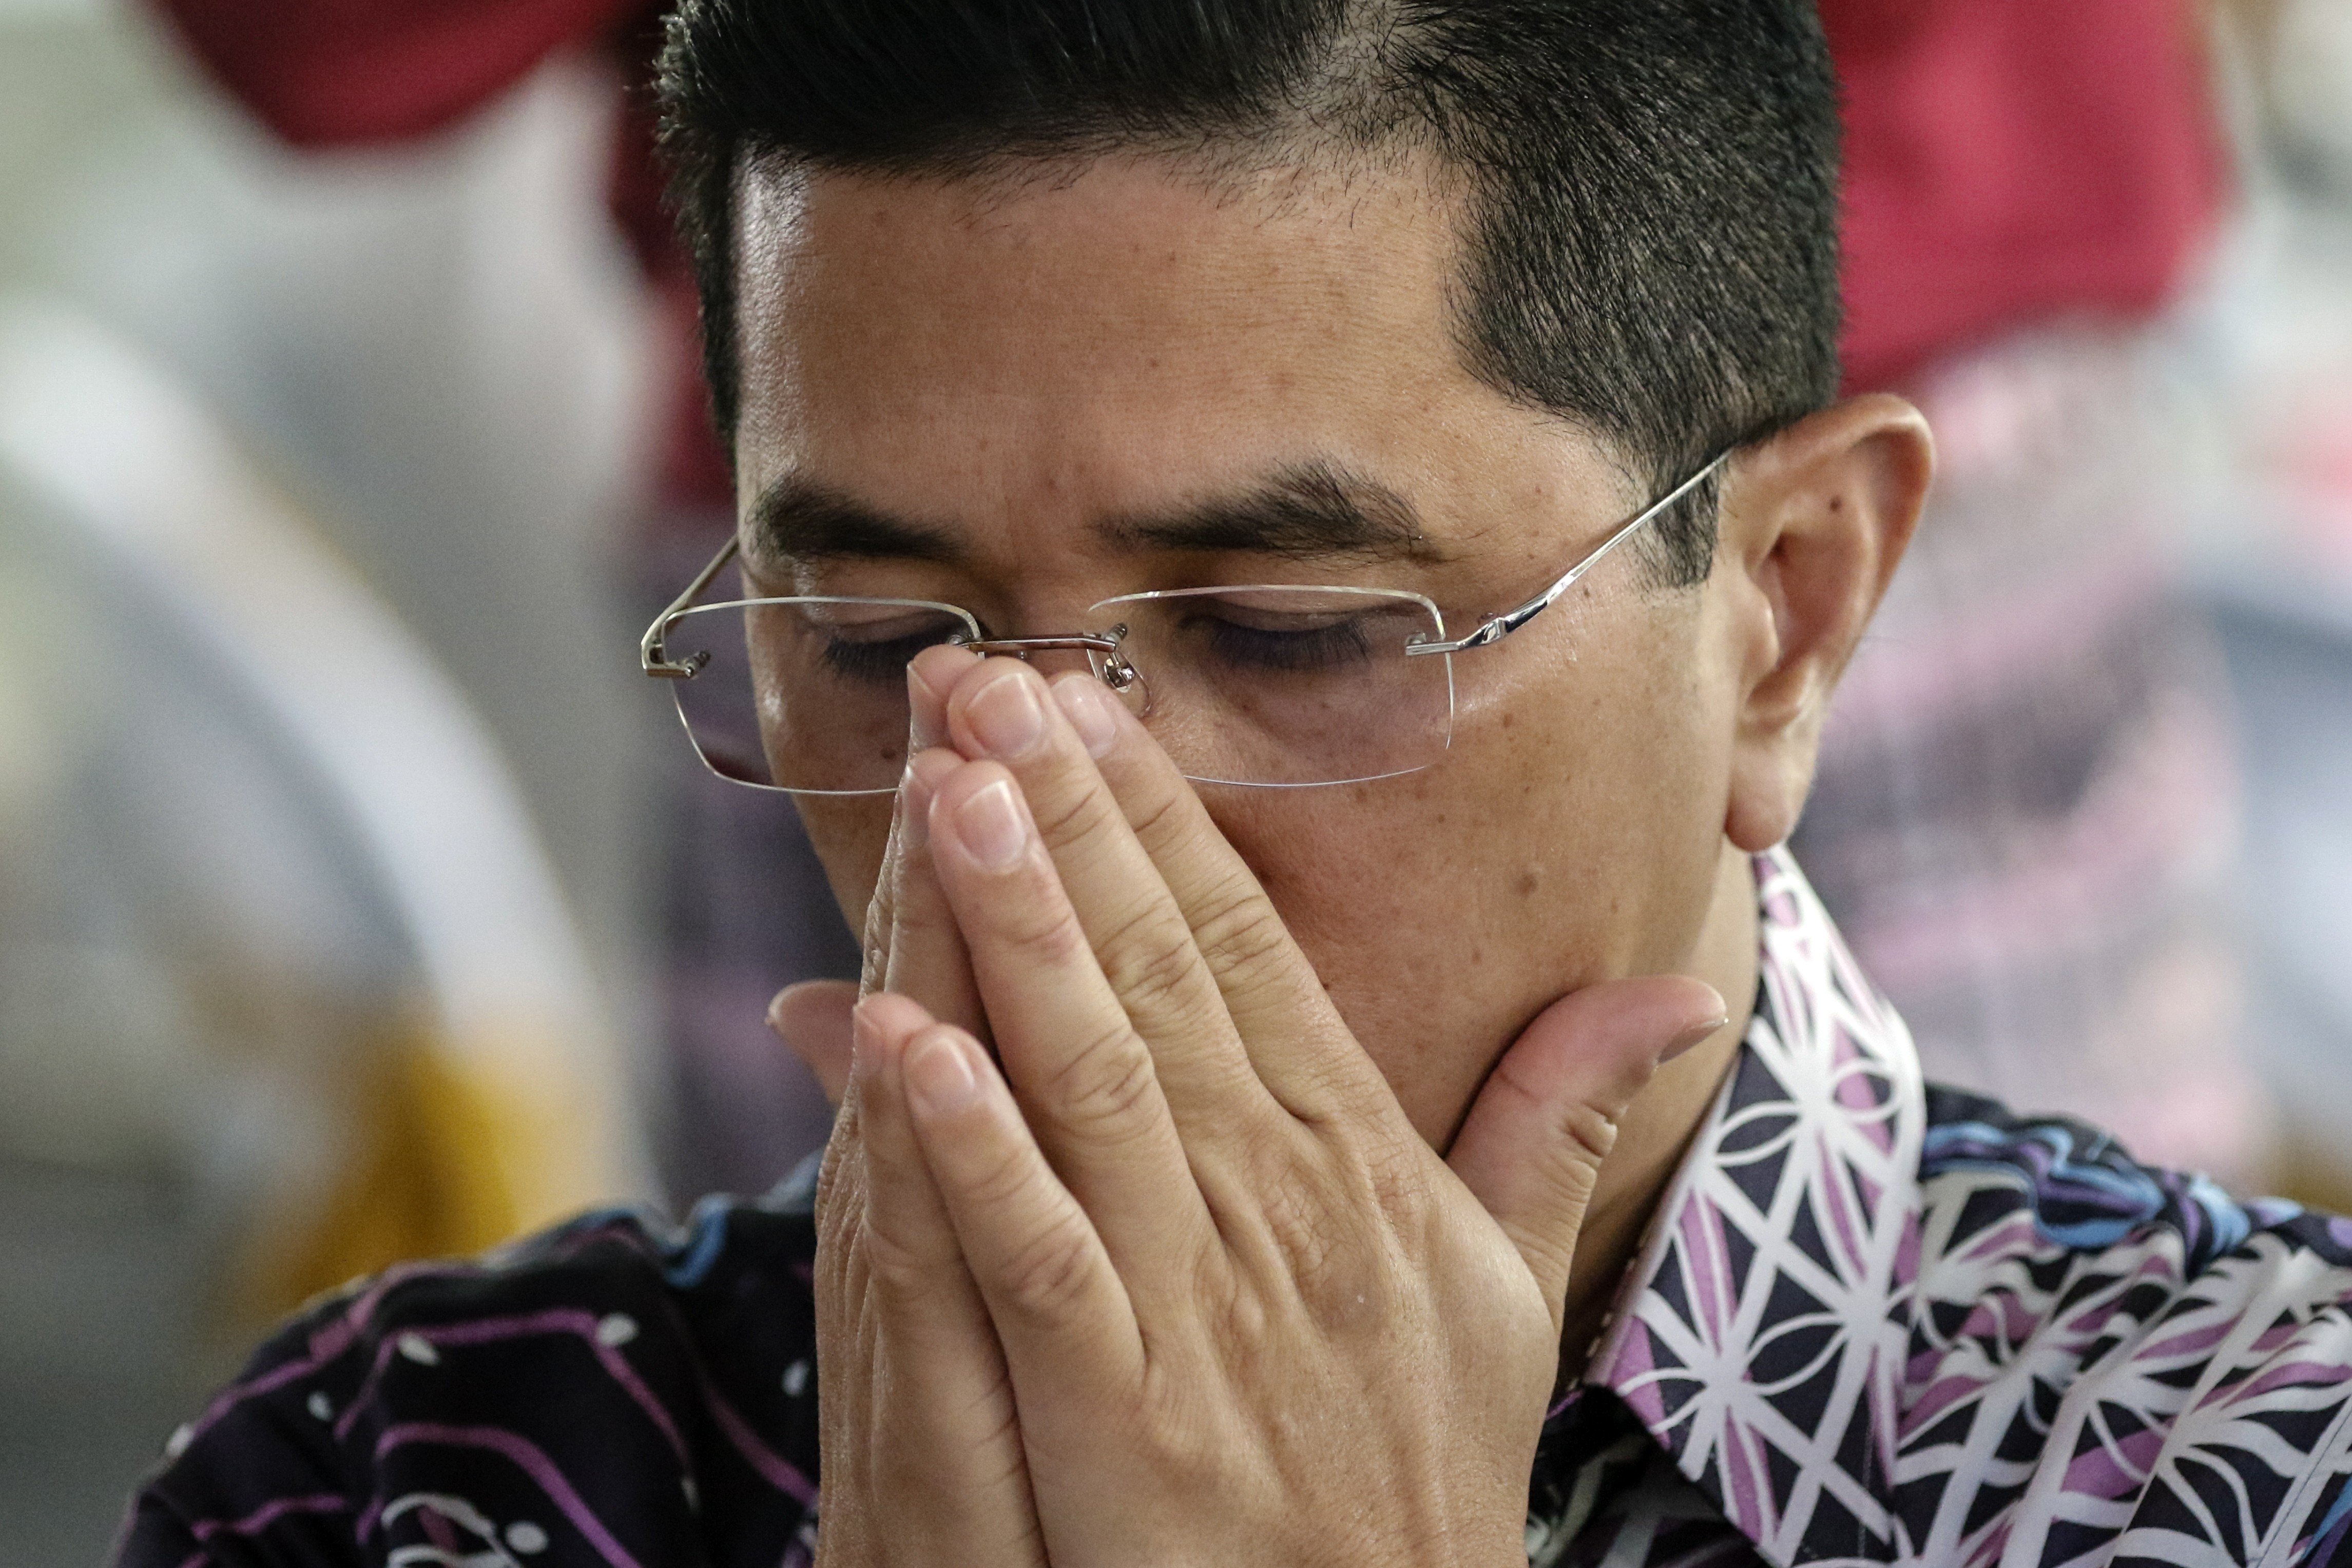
905	906
1140	939
1301	1049
926	959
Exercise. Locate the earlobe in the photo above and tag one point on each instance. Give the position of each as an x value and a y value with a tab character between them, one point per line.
1768	790
1816	520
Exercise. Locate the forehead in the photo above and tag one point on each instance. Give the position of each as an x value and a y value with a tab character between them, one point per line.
1114	338
1061	281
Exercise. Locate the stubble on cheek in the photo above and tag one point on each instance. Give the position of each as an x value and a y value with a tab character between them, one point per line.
1390	891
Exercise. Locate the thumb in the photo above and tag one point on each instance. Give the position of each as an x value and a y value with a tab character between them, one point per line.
814	1019
1531	1146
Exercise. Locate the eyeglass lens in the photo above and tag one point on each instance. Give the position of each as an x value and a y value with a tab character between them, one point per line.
1241	685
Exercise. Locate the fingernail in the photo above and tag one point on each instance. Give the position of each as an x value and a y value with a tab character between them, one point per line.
991	826
940	1078
925	695
1005	717
1092	711
1692	1037
920	696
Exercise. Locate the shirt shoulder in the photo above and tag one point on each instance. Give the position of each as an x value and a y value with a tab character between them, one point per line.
616	1389
2126	1363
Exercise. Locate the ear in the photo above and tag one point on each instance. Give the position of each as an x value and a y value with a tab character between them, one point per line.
1814	521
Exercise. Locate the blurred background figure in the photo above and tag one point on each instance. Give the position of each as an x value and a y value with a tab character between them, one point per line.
744	908
2273	338
2087	803
319	757
360	901
2025	818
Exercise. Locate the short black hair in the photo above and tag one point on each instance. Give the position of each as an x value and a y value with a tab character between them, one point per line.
1652	230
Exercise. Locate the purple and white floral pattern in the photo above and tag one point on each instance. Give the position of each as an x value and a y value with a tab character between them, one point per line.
1881	1323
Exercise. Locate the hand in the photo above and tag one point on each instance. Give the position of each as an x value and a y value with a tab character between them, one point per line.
1248	1315
920	1456
911	943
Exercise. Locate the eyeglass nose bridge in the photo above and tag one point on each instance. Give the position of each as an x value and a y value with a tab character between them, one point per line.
1102	649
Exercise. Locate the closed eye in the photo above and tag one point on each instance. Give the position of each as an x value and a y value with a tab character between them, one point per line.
878	653
876	662
1331	645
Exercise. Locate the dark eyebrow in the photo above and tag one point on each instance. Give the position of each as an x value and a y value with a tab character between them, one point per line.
1307	511
798	520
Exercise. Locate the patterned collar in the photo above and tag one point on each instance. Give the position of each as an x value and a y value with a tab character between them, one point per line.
1761	1338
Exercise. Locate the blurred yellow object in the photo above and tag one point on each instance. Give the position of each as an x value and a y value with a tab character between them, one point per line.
448	1157
2315	1173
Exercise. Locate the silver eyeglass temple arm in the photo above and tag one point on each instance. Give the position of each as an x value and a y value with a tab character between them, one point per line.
1495	627
651	658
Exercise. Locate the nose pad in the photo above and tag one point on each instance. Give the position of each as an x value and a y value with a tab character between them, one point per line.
1114	671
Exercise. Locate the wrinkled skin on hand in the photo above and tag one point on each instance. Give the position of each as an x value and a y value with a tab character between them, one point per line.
1178	1282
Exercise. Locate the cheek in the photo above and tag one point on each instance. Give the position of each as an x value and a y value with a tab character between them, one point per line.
1571	836
850	836
1403	898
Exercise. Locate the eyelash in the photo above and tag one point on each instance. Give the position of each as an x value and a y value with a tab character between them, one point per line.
1321	648
885	660
880	662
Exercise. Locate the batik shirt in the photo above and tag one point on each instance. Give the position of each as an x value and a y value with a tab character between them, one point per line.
1873	1322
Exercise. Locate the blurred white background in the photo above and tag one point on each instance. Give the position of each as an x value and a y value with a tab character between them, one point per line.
425	369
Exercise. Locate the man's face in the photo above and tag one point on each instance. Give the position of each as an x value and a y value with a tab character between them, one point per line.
1014	366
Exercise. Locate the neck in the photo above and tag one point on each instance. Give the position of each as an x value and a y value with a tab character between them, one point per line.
1657	1130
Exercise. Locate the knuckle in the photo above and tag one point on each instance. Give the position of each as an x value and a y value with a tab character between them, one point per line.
1072	814
1299	1223
1321	1213
1244	1323
1349	1223
1589	1134
1344	1273
1156	823
1033	934
1240	934
1396	1180
1047	1277
1005	1179
1190	1442
1041	930
1150	962
921	931
1106	1087
894	1269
